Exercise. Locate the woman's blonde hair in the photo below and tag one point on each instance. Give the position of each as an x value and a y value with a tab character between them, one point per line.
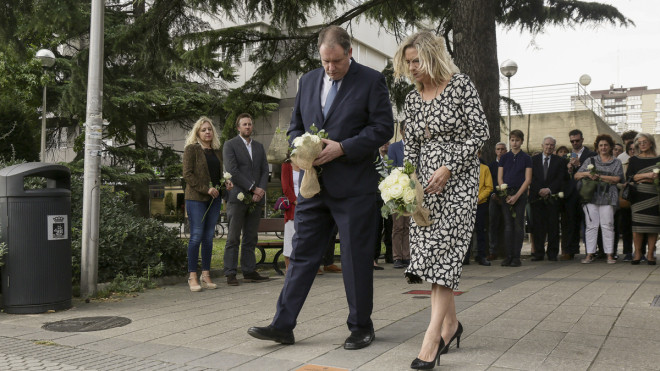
193	137
648	137
434	60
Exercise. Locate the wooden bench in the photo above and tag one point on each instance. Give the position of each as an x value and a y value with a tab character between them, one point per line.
271	225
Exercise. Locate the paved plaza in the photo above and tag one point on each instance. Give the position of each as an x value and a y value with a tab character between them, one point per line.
541	316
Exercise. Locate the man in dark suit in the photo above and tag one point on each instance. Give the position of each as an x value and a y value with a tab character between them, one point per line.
245	160
548	178
571	224
351	103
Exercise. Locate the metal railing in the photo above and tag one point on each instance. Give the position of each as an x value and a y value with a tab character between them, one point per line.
553	98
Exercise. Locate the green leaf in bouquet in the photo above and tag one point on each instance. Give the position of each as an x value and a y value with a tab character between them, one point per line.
408	168
385	211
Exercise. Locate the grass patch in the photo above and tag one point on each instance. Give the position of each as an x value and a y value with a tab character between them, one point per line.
218	257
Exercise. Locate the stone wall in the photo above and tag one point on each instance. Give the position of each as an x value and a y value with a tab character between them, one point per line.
558	124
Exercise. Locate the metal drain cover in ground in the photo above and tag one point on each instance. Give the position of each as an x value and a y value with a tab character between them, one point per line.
86	324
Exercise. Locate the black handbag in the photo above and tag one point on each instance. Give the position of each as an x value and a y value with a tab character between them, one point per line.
628	190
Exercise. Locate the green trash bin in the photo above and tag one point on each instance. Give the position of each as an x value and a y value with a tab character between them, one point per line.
35	225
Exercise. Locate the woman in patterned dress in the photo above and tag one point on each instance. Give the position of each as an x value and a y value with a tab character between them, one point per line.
445	127
644	206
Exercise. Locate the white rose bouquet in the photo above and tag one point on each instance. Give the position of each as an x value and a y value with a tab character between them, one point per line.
306	148
402	193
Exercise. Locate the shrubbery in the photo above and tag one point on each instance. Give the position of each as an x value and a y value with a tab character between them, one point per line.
128	244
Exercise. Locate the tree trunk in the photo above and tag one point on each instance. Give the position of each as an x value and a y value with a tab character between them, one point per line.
475	53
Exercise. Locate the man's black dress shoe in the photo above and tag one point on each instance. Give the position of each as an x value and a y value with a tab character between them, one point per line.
506	262
483	261
271	333
552	258
536	259
515	263
359	339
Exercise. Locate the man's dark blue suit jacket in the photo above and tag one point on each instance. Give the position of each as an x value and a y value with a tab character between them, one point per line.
357	119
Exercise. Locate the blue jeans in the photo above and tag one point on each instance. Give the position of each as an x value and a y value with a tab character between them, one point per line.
201	232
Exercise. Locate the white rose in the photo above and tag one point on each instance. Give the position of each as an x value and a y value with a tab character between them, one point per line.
316	139
385	195
298	141
590	167
409	196
226	176
497	188
656	170
390	180
240	196
396	191
395	173
404	180
503	187
560	194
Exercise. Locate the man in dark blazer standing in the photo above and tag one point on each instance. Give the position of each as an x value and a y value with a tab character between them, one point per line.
245	160
548	178
351	103
571	224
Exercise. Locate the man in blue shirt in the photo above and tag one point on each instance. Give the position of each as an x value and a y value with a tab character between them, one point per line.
515	173
400	223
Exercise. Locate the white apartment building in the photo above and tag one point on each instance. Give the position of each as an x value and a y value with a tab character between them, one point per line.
635	108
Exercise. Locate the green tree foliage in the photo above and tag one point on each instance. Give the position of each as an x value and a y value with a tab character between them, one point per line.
164	62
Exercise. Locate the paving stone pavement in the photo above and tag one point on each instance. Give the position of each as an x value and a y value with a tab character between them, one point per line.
541	316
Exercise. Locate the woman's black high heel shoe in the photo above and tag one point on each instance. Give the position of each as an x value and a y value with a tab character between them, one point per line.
418	364
457	336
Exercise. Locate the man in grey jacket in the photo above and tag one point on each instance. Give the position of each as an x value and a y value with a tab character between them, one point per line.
245	160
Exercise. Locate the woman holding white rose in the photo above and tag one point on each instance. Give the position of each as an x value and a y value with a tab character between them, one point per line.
599	211
645	214
444	128
202	171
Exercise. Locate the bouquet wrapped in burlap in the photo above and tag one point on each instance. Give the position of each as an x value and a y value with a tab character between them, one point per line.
306	148
402	193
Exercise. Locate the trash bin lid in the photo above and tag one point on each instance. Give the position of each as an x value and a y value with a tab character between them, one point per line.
12	179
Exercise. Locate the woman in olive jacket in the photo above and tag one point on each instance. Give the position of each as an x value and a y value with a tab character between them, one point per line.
202	171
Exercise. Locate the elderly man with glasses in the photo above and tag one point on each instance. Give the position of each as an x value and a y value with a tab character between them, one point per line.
571	223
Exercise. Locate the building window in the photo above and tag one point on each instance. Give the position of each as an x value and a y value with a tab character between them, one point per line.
634	98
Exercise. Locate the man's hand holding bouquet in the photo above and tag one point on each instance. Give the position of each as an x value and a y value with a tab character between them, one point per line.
306	149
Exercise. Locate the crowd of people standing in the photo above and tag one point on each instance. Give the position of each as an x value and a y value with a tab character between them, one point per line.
573	195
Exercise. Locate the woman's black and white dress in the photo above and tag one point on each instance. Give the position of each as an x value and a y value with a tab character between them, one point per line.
448	130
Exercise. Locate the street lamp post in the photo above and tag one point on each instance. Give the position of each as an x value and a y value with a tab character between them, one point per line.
584	81
508	69
47	59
